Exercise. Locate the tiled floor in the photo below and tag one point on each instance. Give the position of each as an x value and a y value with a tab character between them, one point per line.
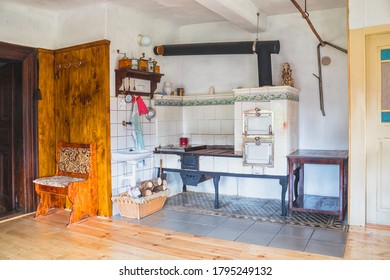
299	238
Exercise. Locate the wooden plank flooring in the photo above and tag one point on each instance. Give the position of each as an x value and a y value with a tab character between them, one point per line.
48	238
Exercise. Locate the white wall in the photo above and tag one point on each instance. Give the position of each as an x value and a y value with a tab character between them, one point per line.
123	26
224	72
27	26
365	13
82	25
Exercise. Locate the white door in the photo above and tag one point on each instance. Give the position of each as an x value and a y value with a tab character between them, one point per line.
378	129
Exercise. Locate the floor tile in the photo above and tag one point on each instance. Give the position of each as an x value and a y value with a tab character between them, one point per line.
197	229
149	221
164	214
226	234
210	220
297	244
235	223
268	228
171	225
231	229
184	216
262	239
260	233
333	236
292	237
325	248
296	231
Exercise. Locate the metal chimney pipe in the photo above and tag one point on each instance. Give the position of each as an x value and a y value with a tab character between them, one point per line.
263	49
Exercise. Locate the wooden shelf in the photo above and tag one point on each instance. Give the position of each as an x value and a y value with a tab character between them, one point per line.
122	73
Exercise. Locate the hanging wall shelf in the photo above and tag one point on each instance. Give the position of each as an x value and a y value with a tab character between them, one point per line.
133	75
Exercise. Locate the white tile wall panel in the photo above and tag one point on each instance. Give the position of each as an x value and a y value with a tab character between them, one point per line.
220	164
206	163
235	165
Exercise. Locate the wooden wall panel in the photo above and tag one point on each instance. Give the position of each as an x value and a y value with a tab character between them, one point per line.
95	97
46	114
81	108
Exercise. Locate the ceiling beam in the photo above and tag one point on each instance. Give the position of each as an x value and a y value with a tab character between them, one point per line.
242	13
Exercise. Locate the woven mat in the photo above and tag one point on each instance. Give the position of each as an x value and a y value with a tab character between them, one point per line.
265	210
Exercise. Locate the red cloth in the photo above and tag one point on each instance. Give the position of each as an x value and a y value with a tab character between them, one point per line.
142	109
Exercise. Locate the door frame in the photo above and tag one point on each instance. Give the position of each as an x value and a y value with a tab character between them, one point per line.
27	156
357	178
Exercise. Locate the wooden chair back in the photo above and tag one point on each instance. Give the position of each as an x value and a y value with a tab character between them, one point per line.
75	160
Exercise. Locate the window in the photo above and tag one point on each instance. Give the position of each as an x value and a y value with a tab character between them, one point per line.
385	85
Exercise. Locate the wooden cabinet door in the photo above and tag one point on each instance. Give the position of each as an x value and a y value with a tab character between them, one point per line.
7	120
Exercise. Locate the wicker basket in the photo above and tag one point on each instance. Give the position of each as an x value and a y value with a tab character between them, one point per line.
140	207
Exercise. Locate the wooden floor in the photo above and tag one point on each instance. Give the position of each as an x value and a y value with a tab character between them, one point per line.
48	238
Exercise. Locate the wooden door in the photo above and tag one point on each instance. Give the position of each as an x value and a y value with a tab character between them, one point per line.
9	76
378	129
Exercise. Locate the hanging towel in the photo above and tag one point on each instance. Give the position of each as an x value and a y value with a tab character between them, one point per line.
137	129
142	108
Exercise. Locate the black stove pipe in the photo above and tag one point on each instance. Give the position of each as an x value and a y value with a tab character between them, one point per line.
263	49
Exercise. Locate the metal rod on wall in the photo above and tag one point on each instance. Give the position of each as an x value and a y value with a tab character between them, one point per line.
305	15
322	43
319	77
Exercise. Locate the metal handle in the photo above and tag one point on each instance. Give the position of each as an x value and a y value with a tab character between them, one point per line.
257	114
271	159
125	123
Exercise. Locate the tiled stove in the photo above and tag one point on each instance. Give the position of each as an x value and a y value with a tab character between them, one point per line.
265	131
266	127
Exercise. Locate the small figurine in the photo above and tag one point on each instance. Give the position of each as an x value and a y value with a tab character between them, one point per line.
287	79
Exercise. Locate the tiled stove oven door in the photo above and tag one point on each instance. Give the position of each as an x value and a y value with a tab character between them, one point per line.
258	122
258	151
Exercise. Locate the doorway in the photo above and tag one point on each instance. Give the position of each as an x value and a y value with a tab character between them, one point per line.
10	120
18	152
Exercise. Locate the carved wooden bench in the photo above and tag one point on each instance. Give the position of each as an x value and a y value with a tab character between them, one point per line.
75	179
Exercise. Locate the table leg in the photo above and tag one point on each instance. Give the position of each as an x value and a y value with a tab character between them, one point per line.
290	183
341	190
283	182
345	191
301	183
216	179
297	185
184	188
296	174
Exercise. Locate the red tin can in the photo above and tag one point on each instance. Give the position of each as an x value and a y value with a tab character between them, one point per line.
183	141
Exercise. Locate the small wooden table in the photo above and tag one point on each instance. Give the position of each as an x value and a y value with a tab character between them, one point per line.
314	203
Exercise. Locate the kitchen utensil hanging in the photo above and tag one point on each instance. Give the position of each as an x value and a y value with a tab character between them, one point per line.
151	112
